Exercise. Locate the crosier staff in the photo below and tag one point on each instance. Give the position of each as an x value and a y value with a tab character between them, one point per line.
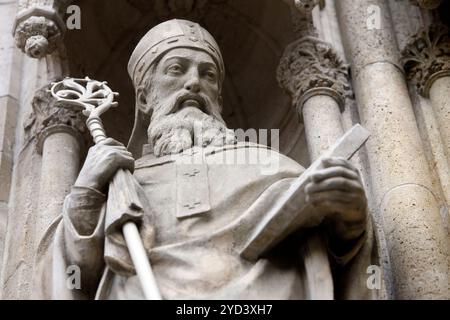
94	98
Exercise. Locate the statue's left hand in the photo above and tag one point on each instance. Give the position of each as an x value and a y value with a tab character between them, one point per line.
337	192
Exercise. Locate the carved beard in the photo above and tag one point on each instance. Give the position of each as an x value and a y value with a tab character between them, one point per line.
172	133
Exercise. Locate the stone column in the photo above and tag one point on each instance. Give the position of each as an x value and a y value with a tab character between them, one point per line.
311	72
38	31
400	176
427	64
409	21
322	119
60	137
46	168
10	83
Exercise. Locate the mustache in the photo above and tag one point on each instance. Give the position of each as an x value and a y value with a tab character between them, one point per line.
173	104
199	98
162	108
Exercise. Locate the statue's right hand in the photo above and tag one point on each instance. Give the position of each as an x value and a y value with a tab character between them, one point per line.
102	162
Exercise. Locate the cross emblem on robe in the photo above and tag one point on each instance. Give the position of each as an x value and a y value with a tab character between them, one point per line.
192	205
193	173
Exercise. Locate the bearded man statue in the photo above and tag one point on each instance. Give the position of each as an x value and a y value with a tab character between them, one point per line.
199	214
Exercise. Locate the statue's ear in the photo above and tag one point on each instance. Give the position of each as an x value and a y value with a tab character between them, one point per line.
141	100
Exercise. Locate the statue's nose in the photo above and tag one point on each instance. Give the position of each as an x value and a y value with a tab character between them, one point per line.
192	84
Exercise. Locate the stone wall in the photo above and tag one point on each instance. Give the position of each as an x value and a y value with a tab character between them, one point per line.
9	104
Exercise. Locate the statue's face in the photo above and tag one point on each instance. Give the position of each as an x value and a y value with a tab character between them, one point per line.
183	92
189	78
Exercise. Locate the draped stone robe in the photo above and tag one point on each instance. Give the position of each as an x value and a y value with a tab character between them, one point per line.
202	214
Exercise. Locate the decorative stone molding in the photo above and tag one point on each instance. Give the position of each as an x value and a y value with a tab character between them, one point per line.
427	57
167	9
310	66
307	6
427	4
39	27
37	36
180	7
301	16
48	118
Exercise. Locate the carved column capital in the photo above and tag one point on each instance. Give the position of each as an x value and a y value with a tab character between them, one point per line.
426	58
309	67
48	118
427	4
39	27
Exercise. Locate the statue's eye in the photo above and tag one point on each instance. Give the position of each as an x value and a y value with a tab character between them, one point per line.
211	75
175	68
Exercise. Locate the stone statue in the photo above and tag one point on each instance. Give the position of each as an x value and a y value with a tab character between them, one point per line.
198	213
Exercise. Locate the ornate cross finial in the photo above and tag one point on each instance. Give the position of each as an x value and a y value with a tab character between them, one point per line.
91	97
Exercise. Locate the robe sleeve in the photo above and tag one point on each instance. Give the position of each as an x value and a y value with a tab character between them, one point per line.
350	269
69	261
343	251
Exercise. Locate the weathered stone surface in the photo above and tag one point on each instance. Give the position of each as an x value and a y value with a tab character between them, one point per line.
436	150
409	20
37	36
309	64
17	269
9	95
362	51
323	123
427	63
3	223
397	157
427	57
8	112
424	275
